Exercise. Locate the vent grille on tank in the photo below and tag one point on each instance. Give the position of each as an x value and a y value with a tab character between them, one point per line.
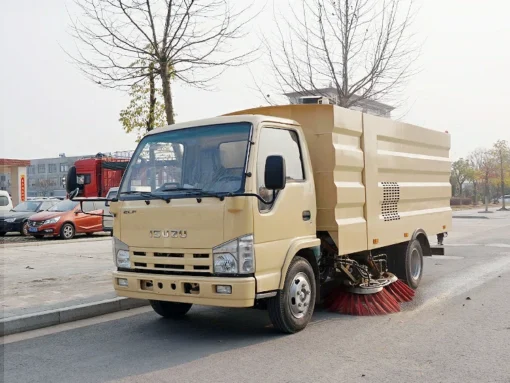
391	196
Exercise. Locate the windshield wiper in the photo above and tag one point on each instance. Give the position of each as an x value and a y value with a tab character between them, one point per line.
196	192
147	195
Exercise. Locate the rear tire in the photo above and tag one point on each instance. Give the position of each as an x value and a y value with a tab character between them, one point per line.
292	308
171	310
408	263
67	231
2	233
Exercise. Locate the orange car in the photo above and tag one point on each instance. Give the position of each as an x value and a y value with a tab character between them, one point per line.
65	219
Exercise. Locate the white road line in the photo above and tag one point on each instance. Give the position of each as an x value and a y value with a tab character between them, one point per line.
450	287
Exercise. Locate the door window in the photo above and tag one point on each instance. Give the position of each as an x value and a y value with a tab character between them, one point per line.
88	206
281	142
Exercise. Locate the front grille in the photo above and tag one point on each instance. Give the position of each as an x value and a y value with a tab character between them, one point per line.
175	260
35	223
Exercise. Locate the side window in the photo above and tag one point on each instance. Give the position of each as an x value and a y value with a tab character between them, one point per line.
4	201
88	206
281	142
99	205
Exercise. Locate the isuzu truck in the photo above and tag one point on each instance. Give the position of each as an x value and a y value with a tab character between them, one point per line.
263	207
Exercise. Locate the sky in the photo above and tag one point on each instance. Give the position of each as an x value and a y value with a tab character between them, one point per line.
48	107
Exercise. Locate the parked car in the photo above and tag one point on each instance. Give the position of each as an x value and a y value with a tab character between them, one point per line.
16	219
5	201
108	218
66	219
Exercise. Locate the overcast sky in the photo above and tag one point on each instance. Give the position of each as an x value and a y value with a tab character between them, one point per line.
47	107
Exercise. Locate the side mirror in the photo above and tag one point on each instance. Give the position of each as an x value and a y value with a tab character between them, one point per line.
274	174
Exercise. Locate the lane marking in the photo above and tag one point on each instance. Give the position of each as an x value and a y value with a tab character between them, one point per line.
450	287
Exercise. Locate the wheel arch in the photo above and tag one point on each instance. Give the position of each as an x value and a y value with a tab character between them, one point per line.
309	249
421	236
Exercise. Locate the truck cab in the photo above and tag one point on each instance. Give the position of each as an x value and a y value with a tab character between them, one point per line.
196	224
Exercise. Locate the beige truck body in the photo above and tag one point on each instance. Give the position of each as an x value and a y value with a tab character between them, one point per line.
376	180
369	182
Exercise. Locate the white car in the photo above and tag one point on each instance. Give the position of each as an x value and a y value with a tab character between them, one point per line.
5	201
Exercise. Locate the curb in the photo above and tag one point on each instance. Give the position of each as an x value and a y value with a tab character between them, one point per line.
54	242
43	319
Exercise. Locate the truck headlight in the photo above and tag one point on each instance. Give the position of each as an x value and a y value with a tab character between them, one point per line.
10	220
52	220
120	254
235	257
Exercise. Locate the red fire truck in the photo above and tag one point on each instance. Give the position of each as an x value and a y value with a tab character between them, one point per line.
96	175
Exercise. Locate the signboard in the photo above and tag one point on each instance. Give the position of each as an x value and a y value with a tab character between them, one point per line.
22	188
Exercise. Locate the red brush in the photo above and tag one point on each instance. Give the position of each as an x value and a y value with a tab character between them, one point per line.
400	291
349	303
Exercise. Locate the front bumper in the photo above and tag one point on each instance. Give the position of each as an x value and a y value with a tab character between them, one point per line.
8	227
48	229
175	288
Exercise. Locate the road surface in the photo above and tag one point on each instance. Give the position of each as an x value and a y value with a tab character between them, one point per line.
456	330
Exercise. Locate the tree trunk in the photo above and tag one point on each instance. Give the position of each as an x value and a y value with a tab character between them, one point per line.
460	190
167	93
475	192
152	98
503	207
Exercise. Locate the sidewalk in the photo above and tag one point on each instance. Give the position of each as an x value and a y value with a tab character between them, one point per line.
51	276
479	213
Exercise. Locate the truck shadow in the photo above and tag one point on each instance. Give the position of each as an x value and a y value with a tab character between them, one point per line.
143	343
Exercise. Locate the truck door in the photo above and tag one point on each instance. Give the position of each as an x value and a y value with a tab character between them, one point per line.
292	214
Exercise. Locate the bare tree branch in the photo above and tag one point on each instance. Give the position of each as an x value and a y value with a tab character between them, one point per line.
364	49
121	43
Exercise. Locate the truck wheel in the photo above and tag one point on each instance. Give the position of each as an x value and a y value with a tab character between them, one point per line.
2	233
172	310
292	308
409	264
67	231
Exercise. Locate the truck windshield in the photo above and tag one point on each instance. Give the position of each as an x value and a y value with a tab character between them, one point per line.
206	159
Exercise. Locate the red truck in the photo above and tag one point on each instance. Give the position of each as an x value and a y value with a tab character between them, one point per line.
95	176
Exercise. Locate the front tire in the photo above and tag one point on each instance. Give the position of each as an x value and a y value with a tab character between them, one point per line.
2	233
67	231
24	229
171	310
292	308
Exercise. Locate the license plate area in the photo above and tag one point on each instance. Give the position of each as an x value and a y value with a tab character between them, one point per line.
32	229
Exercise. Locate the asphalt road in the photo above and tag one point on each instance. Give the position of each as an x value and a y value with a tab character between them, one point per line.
456	330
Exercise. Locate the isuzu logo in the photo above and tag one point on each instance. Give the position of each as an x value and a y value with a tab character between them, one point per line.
168	233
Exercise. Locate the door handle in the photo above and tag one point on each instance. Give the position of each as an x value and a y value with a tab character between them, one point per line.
307	215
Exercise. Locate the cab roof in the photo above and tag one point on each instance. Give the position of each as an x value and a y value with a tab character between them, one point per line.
254	119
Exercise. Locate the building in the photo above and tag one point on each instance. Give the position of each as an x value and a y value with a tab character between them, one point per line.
45	176
366	106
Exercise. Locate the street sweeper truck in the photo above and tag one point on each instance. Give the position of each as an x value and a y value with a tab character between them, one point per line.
281	208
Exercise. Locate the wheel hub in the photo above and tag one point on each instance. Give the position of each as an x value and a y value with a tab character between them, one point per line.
300	295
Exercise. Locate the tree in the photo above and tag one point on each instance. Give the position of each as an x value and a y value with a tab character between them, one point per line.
145	110
501	152
361	48
485	169
185	40
461	172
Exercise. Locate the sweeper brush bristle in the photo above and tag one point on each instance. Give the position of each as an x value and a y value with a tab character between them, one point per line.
348	303
400	291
